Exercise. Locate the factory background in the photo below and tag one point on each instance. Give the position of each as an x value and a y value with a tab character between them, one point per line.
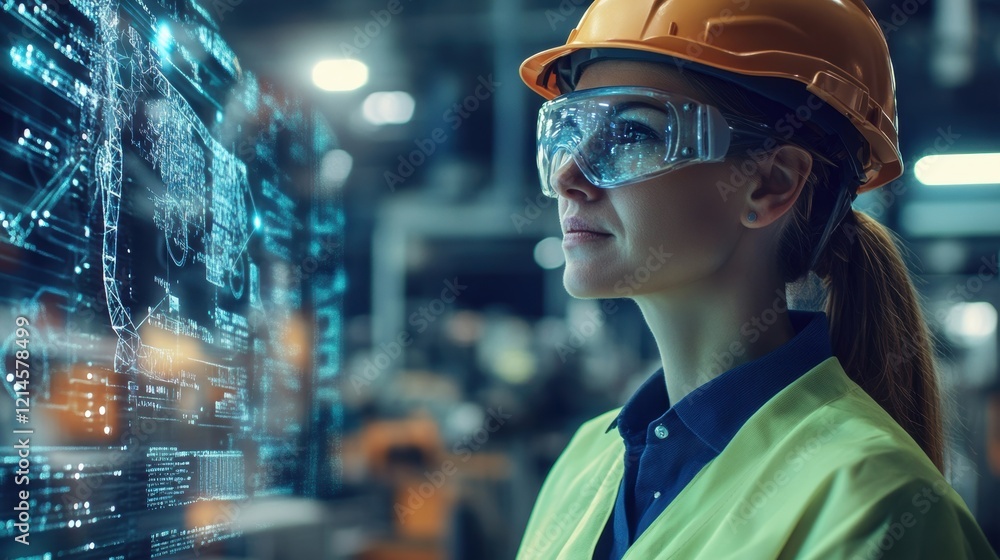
442	367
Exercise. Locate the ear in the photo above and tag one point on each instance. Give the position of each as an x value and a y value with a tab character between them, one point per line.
783	173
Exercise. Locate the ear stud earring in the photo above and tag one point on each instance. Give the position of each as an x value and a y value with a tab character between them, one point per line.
752	217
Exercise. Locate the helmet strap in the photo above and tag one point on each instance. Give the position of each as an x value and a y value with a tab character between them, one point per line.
841	206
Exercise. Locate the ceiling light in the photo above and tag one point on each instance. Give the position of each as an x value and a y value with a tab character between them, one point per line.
958	169
339	74
388	107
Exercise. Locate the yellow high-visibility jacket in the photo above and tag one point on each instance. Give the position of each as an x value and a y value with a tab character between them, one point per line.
820	471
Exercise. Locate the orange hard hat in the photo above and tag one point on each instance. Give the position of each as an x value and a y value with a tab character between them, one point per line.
833	47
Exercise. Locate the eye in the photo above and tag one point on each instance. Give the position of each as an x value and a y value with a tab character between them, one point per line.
638	124
633	132
569	122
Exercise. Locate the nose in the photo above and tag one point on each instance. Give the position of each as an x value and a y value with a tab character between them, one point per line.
568	180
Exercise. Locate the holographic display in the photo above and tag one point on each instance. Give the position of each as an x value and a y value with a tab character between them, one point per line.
171	271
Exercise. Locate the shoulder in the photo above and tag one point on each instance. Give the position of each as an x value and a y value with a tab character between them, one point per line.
872	491
588	447
882	507
581	477
588	442
592	432
825	472
850	447
842	427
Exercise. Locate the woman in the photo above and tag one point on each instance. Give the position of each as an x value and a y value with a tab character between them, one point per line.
705	154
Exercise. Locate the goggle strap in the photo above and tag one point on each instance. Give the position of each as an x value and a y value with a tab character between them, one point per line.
716	134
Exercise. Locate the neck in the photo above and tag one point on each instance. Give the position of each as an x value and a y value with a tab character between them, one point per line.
711	328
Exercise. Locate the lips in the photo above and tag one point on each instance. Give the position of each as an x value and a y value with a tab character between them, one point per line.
575	224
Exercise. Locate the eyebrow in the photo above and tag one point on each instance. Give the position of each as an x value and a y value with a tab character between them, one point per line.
626	105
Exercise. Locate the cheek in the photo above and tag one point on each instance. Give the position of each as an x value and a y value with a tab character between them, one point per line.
689	219
708	219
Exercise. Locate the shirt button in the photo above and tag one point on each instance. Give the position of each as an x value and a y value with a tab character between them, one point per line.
656	495
661	431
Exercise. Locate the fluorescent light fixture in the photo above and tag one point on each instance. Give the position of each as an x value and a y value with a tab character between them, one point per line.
340	74
388	107
959	169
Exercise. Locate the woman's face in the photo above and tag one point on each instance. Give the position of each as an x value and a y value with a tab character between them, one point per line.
665	232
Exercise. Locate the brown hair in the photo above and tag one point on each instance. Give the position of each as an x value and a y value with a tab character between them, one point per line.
877	328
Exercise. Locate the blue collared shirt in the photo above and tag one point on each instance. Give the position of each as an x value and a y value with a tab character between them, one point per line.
666	446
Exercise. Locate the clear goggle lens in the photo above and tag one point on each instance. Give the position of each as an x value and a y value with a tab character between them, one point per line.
622	135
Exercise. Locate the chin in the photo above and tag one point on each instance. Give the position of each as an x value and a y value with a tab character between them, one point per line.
582	285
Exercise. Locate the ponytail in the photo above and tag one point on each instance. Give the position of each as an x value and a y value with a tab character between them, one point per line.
877	328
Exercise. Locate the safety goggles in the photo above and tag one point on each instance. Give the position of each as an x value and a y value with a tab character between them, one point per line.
621	135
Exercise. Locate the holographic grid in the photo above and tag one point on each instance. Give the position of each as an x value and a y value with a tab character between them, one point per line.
166	234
